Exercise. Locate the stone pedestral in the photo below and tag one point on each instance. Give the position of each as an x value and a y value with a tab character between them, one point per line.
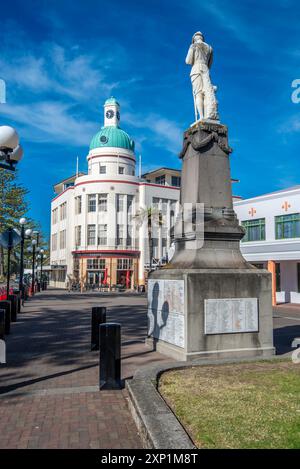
209	301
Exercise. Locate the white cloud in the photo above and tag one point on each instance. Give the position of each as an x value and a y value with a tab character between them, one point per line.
292	125
51	122
163	132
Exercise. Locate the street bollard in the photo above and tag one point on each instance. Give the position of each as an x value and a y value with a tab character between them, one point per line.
110	356
2	324
14	306
98	317
6	305
18	294
2	335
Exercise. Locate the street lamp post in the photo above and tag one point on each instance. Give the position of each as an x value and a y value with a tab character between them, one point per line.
11	151
42	258
34	243
24	234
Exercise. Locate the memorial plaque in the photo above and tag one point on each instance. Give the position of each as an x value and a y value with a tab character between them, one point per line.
231	315
166	311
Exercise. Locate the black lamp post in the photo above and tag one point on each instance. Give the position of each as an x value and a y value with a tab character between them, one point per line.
24	235
42	258
32	249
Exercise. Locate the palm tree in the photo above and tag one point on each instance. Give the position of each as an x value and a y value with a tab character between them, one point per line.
153	217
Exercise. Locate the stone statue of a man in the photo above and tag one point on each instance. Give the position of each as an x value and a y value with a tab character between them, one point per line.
200	57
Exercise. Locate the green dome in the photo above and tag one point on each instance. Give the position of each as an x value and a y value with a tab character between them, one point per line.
112	137
111	100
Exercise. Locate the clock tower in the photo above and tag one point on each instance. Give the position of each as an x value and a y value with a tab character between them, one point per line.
111	113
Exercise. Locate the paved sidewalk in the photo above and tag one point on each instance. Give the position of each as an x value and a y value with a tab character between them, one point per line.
49	395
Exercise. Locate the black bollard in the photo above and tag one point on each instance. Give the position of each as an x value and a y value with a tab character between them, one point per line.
18	294
2	337
14	306
2	324
6	305
98	317
110	356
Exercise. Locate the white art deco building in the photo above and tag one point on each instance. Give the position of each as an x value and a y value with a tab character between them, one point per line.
272	240
96	236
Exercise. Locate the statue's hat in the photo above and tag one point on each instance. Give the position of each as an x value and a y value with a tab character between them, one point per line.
198	33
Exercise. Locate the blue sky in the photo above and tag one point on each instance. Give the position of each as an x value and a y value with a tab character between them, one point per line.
62	59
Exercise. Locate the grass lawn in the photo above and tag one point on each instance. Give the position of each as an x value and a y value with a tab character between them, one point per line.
248	405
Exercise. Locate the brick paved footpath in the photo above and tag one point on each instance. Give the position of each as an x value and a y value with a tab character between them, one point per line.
49	395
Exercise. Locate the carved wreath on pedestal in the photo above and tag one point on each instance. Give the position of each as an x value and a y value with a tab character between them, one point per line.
203	134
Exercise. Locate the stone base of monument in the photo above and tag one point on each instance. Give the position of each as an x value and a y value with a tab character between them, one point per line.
210	313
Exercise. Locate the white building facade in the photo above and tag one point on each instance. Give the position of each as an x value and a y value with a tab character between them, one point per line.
99	225
272	240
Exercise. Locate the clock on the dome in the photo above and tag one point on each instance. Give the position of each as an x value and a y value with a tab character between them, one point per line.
110	114
118	115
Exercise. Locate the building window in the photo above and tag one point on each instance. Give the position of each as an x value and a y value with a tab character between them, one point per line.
102	169
102	202
255	230
62	239
92	203
287	226
129	235
155	203
78	235
130	206
120	202
96	264
120	235
176	181
78	205
278	276
121	169
91	235
54	216
124	264
102	235
161	180
63	211
54	242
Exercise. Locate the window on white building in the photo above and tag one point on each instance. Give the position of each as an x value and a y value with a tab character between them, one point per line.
102	169
129	204
54	216
91	235
120	202
161	180
176	181
287	226
63	211
62	239
92	203
102	235
120	235
102	202
255	230
78	205
124	264
121	169
129	235
78	235
54	242
96	264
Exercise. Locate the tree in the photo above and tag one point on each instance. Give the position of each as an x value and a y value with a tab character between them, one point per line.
152	216
12	205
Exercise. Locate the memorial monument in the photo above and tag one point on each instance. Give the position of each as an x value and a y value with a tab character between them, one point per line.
208	301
